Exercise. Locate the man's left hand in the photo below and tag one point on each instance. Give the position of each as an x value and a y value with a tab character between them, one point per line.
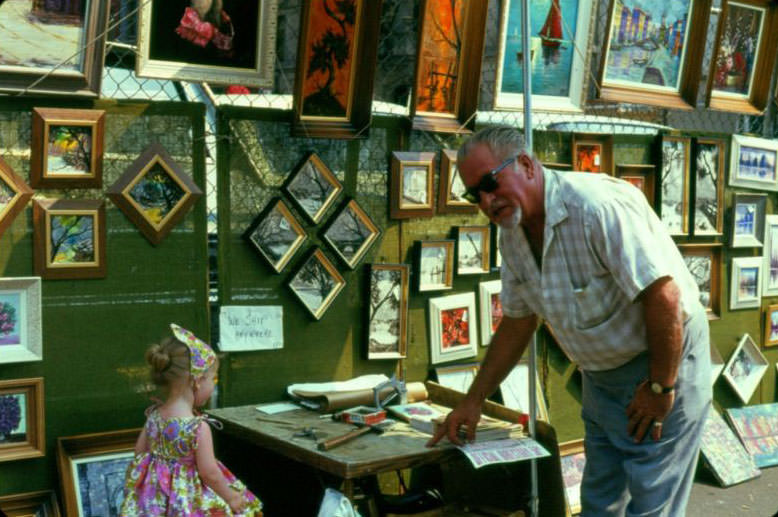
648	410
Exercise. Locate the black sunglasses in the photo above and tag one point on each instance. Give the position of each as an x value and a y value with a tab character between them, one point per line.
487	183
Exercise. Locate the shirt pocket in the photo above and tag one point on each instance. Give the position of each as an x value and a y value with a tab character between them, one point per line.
596	303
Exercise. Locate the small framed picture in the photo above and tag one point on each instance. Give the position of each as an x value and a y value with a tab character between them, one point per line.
748	220
674	204
317	283
14	195
434	265
473	247
752	163
313	187
457	377
453	327
67	148
770	253
451	188
745	288
69	240
276	234
573	460
639	175
351	233
593	153
704	263
716	364
771	326
491	309
387	315
36	504
411	193
514	390
20	320
709	166
154	193
22	430
92	470
745	368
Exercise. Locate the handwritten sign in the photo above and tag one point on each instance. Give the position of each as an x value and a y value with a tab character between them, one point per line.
244	327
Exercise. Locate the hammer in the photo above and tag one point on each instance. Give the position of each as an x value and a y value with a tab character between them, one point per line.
379	428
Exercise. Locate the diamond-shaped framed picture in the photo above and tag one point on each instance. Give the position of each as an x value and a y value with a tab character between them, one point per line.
351	233
316	283
276	234
154	193
313	187
14	195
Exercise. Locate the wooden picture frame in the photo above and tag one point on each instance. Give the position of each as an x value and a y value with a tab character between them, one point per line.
593	153
411	185
387	311
329	101
312	187
641	176
276	234
316	273
473	250
753	163
654	77
674	184
708	178
14	195
514	390
559	72
451	188
150	209
453	325
770	253
67	148
704	264
434	265
770	326
38	504
241	50
351	233
21	328
573	460
491	309
92	469
444	97
748	220
745	289
716	364
745	368
69	238
744	53
74	66
22	432
457	377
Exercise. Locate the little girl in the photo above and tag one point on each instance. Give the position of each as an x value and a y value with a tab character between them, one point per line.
174	472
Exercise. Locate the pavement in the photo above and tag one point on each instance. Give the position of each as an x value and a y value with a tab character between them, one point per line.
757	497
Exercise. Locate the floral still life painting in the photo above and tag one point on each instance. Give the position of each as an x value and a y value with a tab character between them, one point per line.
738	49
453	327
13	423
10	307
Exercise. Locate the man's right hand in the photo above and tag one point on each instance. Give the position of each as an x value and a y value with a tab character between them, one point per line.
466	414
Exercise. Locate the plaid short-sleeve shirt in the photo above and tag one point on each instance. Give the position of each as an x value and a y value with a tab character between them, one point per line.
602	245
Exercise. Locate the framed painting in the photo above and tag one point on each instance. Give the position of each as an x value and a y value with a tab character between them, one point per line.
559	72
716	364
745	288
228	42
337	38
92	469
14	195
771	326
451	188
351	233
496	255
35	504
674	203
745	368
52	47
704	263
317	283
387	314
748	220
514	390
752	163
491	309
69	239
410	189
573	460
313	187
434	265
448	65
593	153
726	457
743	58
653	52
276	234
154	193
473	247
639	175
22	430
757	428
457	377
770	253
67	148
709	163
453	327
20	320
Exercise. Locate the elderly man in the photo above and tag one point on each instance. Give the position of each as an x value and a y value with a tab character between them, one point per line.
587	253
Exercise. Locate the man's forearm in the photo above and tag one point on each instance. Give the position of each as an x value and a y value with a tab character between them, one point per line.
664	330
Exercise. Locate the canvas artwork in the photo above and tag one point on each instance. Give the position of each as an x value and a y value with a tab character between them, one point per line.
13	418
491	309
14	195
771	326
675	184
351	233
451	188
473	250
156	194
573	460
313	187
435	265
20	319
709	187
638	182
753	163
770	250
317	283
641	176
756	164
724	455
69	150
745	368
757	428
453	327
588	157
387	311
277	235
100	483
739	44
716	364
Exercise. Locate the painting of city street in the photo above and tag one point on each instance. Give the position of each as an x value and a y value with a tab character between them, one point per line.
388	311
675	184
313	187
317	283
277	235
738	49
69	150
709	187
351	233
723	452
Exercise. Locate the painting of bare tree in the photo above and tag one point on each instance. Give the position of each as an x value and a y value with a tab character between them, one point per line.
69	150
473	250
387	311
71	239
434	265
704	263
351	233
277	235
709	187
317	283
156	194
313	187
675	184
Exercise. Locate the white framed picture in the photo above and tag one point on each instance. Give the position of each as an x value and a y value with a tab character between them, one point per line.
748	220
20	320
716	364
457	377
745	368
770	272
745	290
515	391
491	308
453	327
753	163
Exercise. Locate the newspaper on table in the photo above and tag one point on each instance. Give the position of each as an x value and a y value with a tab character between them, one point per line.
508	450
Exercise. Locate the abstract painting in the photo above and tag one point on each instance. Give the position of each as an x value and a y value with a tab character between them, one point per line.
748	220
724	454
757	428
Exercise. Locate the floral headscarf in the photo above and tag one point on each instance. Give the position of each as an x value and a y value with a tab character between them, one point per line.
201	355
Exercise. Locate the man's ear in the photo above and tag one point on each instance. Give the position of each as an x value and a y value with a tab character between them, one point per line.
528	163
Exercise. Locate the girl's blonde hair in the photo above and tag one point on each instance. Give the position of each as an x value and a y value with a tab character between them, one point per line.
169	360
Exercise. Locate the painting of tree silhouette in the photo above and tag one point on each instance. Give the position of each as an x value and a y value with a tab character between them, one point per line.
69	150
385	318
674	186
72	239
316	283
707	200
329	57
351	233
314	187
6	195
701	267
157	194
277	235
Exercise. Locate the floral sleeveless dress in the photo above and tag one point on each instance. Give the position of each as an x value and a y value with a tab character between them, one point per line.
164	481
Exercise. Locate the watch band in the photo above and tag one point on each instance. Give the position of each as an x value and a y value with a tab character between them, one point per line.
659	389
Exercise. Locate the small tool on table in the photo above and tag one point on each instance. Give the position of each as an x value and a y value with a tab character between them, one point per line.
379	428
306	432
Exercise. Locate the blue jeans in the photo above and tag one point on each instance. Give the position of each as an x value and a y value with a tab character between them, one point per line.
624	478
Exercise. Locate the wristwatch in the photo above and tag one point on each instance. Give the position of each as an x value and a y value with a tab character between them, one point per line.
659	389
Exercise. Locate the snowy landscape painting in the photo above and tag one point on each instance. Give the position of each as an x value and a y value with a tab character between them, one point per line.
388	308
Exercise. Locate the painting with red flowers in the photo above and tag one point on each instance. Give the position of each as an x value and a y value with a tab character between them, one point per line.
453	327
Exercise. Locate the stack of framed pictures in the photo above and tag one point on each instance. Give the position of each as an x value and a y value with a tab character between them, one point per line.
724	455
757	428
